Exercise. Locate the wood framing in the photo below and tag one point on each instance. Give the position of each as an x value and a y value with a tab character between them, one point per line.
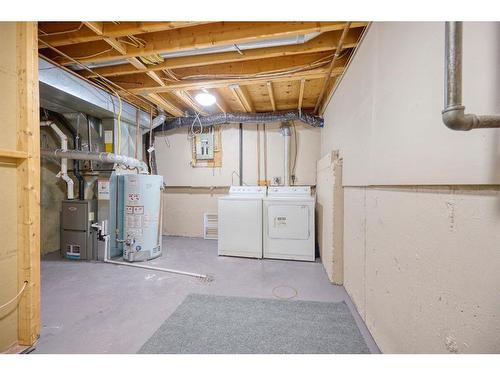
301	93
287	65
20	148
271	95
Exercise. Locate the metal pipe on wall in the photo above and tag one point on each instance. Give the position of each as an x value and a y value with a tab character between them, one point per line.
286	132
454	116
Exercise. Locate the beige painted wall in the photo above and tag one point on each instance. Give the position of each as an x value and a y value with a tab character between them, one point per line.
420	262
184	206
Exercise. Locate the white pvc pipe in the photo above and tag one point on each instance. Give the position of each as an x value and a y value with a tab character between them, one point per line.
64	161
106	157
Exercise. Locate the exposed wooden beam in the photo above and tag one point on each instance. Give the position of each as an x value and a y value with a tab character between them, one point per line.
250	69
220	102
185	97
112	30
215	34
301	93
164	104
95	27
98	28
271	94
28	182
241	95
194	85
120	47
143	68
324	42
338	51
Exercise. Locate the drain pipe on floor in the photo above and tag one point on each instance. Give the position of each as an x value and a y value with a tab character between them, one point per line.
103	234
454	116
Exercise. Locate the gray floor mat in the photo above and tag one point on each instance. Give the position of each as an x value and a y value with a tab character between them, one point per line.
205	324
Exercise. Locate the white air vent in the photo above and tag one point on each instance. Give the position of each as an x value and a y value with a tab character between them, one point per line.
210	226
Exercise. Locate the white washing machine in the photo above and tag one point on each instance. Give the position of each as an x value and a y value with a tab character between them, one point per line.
240	222
289	223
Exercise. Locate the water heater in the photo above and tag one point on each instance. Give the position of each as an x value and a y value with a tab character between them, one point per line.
142	217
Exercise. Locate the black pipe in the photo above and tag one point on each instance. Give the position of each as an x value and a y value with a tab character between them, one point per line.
78	175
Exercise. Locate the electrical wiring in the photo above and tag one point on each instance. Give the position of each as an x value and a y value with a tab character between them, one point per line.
238	175
106	82
16	297
267	74
133	41
95	54
62	32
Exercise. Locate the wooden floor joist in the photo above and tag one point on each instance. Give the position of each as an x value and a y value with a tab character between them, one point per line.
263	78
271	95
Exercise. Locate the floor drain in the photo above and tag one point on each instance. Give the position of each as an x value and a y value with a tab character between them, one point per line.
284	292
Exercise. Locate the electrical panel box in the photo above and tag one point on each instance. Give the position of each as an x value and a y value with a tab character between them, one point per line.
78	239
205	146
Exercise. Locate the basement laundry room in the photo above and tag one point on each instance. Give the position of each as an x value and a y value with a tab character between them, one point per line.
249	187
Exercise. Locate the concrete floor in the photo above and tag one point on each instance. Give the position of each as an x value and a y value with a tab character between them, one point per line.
91	307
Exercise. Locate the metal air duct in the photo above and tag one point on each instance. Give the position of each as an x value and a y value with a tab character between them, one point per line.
245	118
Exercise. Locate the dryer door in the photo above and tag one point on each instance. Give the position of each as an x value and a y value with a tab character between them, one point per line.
287	221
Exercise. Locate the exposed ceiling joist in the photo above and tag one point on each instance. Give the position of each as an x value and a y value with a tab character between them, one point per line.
97	28
301	93
187	99
112	30
324	42
143	68
271	95
242	97
215	34
164	104
257	78
332	65
220	102
310	74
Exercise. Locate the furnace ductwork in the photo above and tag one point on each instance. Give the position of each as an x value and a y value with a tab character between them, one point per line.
246	118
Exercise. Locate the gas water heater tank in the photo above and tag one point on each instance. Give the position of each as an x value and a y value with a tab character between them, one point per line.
142	229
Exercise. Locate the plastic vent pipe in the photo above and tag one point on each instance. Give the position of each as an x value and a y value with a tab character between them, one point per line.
454	116
63	174
105	157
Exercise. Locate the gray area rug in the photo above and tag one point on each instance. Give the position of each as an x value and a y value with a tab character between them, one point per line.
205	324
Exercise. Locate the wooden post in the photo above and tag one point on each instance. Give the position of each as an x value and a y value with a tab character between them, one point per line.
28	184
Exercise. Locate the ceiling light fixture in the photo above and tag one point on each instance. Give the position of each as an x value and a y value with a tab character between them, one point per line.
205	99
